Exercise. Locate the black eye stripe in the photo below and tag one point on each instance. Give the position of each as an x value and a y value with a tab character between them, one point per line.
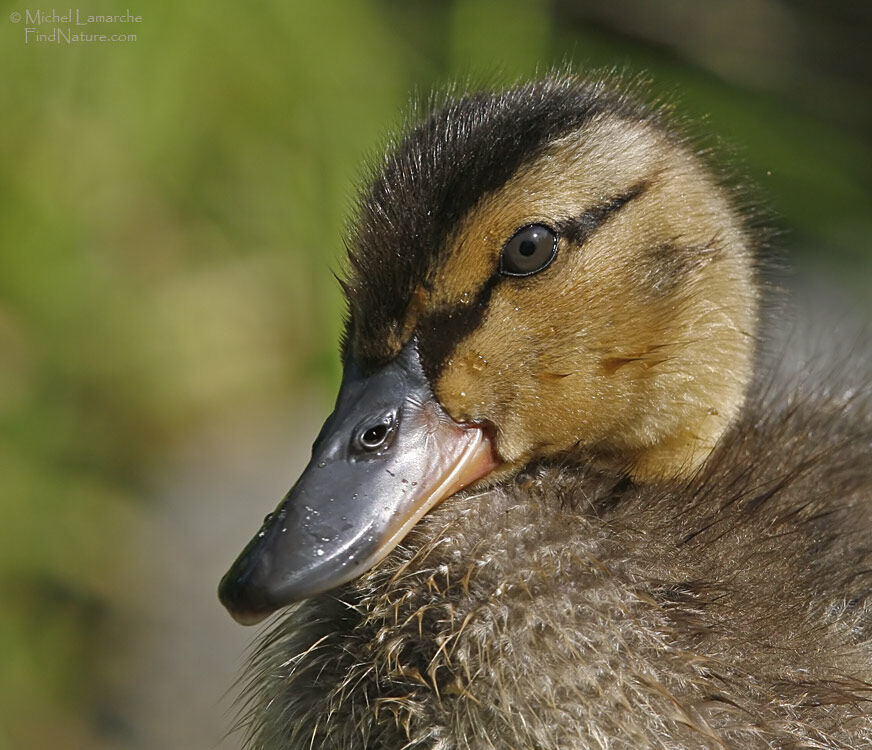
442	330
581	227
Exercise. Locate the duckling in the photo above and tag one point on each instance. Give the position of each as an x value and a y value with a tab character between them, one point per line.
555	505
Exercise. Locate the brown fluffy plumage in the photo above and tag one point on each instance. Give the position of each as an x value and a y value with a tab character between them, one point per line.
659	562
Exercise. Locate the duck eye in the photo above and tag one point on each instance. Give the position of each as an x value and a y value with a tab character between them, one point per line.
530	250
372	437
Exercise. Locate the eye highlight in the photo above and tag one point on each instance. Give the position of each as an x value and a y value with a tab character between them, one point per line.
530	250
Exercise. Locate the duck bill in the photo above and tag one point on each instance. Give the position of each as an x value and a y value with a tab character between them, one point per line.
387	455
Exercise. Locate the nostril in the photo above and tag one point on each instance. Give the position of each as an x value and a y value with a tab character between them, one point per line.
372	437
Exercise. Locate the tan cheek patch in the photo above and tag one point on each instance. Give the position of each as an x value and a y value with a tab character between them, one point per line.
534	366
555	367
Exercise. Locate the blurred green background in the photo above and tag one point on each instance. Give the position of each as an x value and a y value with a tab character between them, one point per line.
171	209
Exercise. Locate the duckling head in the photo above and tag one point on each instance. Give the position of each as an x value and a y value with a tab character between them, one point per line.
533	274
